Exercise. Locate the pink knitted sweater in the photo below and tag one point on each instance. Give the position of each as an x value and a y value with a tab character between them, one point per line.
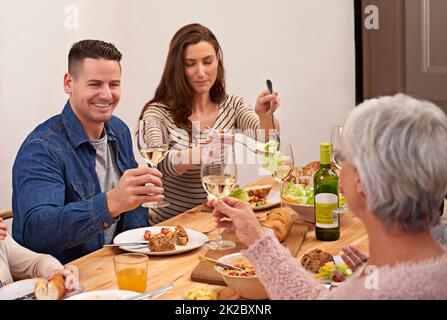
284	278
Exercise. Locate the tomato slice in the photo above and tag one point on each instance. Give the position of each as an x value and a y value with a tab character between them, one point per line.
164	231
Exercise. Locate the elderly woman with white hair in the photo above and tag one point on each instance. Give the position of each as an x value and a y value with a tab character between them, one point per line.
394	177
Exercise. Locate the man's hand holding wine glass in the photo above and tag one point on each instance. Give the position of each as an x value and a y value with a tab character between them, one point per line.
131	190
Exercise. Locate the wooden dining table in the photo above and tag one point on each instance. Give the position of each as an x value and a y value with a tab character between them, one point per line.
96	270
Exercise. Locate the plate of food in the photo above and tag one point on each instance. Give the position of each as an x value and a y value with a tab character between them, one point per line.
260	197
324	266
105	295
160	241
26	290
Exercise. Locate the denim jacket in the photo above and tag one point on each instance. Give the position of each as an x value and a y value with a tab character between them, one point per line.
57	201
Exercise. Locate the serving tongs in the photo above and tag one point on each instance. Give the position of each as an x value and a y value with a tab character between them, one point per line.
276	134
220	264
253	149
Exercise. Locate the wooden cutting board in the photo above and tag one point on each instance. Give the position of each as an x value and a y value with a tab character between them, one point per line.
205	272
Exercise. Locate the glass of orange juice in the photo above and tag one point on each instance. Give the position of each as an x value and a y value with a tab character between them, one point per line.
131	271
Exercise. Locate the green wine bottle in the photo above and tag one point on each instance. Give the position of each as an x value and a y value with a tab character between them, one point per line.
327	220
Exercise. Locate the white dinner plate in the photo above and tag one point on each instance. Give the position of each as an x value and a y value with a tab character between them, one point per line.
273	199
23	287
196	240
104	295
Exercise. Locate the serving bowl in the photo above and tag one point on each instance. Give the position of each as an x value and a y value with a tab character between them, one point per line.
248	287
305	211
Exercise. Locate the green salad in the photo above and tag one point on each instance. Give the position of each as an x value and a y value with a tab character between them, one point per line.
270	147
273	158
240	194
301	194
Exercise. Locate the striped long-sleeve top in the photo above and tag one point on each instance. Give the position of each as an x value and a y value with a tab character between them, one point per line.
185	191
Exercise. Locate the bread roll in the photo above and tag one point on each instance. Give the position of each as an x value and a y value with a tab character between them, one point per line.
53	290
280	222
315	259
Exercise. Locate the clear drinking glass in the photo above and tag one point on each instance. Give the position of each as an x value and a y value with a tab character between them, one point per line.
153	143
131	271
336	143
282	164
219	175
337	153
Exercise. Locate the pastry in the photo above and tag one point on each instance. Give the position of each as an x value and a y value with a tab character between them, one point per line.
180	236
280	221
315	259
159	243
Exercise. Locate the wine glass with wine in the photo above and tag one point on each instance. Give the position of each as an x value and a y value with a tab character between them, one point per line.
281	164
219	175
153	143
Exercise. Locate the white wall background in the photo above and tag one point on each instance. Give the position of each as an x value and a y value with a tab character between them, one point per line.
305	47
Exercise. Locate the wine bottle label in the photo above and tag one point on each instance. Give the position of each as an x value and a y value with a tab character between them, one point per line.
325	217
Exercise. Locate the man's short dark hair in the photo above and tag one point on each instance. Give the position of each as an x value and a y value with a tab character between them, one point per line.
95	49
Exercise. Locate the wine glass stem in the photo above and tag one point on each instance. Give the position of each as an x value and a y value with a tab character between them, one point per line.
219	235
281	187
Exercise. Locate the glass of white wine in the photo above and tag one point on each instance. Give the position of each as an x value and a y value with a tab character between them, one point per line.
282	164
153	143
219	175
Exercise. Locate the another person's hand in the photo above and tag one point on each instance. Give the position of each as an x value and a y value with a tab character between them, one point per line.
353	257
69	278
262	107
3	229
243	220
131	190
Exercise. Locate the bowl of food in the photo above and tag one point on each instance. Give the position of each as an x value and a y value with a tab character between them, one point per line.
306	212
246	283
300	198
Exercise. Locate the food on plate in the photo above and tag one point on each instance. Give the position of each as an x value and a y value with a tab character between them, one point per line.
201	292
180	236
240	194
166	239
333	272
255	195
160	243
54	289
315	259
304	175
258	195
280	221
245	265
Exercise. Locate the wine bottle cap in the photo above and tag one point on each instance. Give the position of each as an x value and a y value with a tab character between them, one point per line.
325	153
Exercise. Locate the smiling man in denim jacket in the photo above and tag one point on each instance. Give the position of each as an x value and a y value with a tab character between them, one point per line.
75	180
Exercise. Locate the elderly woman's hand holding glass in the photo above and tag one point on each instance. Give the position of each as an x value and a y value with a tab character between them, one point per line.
243	220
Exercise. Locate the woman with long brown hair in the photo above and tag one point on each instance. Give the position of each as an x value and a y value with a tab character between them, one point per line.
192	101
